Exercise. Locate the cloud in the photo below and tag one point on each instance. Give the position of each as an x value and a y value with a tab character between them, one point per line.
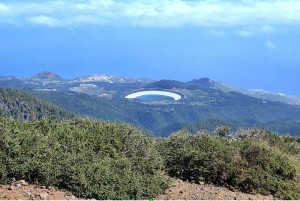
256	30
44	20
270	45
267	29
3	8
216	33
155	13
244	33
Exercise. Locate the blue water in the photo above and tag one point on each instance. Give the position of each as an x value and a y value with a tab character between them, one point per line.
154	98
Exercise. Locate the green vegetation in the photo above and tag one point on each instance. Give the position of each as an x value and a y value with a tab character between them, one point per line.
162	120
21	105
93	159
107	160
255	161
282	126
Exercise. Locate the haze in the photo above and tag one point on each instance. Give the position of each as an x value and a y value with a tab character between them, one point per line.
247	43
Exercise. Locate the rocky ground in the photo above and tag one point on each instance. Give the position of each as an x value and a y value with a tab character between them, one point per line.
188	191
21	190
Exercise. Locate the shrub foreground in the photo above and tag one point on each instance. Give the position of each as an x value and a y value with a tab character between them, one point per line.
106	160
92	159
264	163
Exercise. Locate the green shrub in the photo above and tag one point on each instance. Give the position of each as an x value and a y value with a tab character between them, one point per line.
93	159
252	164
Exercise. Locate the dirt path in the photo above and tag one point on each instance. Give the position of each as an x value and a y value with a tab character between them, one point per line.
188	191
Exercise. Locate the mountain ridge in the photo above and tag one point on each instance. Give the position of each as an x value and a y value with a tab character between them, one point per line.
102	98
52	81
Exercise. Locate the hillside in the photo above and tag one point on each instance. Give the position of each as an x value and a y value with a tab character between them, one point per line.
282	126
106	160
162	120
22	105
103	97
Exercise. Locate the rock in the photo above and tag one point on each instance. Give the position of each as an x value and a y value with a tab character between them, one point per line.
27	193
51	188
11	188
19	185
43	196
201	183
72	197
21	182
43	187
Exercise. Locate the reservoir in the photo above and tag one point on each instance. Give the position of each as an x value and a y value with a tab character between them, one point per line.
154	96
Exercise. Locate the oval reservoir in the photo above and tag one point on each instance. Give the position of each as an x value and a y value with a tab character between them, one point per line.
154	95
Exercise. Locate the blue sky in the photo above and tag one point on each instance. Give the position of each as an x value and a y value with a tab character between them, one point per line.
248	43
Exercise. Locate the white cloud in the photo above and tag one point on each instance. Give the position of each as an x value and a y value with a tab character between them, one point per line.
244	33
44	20
267	29
256	30
3	8
270	45
210	13
216	33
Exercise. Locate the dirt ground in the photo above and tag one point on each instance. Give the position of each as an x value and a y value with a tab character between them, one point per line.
21	190
187	191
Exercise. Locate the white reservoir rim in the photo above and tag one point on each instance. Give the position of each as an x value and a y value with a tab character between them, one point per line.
162	93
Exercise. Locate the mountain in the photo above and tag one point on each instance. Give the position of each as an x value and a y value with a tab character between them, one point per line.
47	76
163	119
167	84
109	79
103	97
203	83
192	85
21	105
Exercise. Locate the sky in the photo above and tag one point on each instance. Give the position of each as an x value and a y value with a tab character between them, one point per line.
253	44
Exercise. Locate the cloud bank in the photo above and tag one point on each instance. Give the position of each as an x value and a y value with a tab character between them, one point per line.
153	13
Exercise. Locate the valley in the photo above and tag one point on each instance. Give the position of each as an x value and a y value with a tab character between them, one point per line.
106	97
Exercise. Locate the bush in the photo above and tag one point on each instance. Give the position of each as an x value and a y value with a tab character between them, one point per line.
252	164
93	159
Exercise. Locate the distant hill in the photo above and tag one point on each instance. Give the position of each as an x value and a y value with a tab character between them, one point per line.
21	105
103	97
47	76
192	85
281	126
162	120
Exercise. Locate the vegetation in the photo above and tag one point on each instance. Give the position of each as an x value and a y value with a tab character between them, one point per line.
254	161
93	159
282	126
21	105
162	120
107	160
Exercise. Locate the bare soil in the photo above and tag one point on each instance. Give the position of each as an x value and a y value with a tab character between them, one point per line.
188	191
21	190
